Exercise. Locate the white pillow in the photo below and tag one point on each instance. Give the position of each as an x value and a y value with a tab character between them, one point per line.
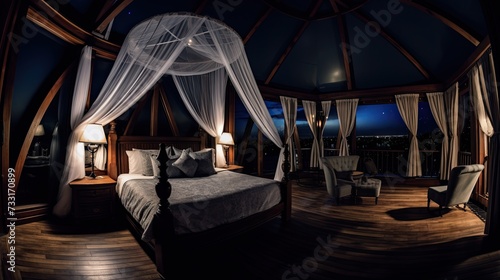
139	162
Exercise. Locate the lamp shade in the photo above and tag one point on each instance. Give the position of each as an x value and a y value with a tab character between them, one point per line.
39	130
93	133
226	139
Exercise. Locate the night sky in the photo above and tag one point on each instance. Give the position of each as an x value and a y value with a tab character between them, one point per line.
380	119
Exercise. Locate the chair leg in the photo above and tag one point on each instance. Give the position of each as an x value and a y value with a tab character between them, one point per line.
428	203
376	200
440	214
465	207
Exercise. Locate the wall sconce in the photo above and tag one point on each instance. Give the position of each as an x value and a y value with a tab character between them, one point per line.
93	135
320	122
226	140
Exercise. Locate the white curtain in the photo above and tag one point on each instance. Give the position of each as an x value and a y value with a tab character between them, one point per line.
310	112
175	44
451	97
438	109
408	109
289	106
346	111
479	96
484	90
204	97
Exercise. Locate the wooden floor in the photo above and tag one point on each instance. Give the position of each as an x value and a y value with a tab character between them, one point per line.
396	239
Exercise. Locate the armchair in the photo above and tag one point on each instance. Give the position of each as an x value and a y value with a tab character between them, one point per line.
336	188
462	180
343	165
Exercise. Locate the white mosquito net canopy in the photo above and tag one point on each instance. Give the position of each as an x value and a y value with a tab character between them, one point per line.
200	54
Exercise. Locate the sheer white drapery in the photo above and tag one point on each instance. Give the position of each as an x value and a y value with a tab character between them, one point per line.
175	44
204	97
310	112
408	109
289	106
346	111
451	97
438	109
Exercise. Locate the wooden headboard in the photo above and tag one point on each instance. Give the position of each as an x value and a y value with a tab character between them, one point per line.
118	145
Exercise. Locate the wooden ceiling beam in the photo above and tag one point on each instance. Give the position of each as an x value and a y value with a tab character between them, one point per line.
347	60
168	111
50	95
64	29
201	7
110	10
444	17
287	51
473	58
381	93
259	22
369	20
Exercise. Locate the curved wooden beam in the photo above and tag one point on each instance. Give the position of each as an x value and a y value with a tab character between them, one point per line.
395	44
64	29
107	15
287	51
445	18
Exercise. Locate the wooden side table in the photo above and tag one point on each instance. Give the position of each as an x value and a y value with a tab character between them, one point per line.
235	168
93	199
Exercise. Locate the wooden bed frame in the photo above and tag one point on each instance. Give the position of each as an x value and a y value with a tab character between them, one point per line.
165	247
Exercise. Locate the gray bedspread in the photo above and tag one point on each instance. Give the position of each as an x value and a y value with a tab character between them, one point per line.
201	203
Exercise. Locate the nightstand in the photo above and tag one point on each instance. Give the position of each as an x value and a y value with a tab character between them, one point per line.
235	168
93	199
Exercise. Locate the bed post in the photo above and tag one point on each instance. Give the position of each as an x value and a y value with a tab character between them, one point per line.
112	153
286	186
163	222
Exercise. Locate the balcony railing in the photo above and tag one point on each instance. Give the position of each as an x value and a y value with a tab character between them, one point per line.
387	161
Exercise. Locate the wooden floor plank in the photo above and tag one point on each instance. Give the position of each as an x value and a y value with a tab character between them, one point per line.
398	238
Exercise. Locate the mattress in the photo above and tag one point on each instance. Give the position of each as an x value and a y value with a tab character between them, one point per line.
199	203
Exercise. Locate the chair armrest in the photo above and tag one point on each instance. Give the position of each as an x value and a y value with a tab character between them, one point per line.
346	182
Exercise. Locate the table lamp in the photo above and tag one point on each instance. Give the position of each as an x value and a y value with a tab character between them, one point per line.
226	140
93	135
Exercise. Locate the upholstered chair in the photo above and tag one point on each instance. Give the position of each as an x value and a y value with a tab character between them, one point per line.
343	165
461	182
336	188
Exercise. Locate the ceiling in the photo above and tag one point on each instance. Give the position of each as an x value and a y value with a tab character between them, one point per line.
324	47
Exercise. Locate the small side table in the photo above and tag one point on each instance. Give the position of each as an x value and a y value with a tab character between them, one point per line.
235	168
93	199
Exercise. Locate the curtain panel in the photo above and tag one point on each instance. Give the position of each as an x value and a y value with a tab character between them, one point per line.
346	110
310	112
408	109
289	106
451	97
436	103
484	88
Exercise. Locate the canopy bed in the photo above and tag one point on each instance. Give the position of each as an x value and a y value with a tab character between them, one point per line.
171	215
200	54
